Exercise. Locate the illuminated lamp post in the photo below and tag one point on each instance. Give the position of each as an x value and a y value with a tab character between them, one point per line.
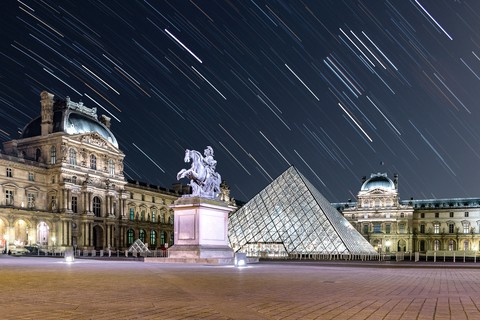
5	236
53	240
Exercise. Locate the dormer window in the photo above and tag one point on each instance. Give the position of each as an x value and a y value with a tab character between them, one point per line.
111	167
72	157
93	162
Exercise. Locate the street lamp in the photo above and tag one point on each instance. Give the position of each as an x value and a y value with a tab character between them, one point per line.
53	240
5	236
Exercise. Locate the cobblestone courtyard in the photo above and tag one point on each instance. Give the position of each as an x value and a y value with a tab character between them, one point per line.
48	288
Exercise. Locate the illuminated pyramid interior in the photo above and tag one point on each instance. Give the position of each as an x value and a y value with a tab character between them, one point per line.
290	216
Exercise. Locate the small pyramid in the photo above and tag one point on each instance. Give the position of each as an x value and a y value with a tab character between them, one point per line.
292	214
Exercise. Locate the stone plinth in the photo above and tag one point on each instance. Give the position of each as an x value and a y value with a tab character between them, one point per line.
200	229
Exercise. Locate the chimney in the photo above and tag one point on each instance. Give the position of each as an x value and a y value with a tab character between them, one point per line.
105	120
47	112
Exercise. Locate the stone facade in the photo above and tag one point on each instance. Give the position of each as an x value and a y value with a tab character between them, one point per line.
392	225
62	186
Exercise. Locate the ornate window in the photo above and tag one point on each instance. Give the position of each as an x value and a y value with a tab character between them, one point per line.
72	156
387	229
436	245
142	215
466	214
97	207
93	162
130	235
75	204
365	229
9	197
451	228
111	167
465	245
377	228
31	176
422	228
153	215
162	237
451	245
402	228
9	172
436	228
153	238
53	155
132	214
466	228
30	200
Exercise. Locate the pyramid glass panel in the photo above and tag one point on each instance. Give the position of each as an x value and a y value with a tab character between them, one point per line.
290	215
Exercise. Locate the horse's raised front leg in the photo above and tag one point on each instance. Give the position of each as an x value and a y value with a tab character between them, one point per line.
181	174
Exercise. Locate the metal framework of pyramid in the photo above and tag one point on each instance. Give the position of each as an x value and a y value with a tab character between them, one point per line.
291	216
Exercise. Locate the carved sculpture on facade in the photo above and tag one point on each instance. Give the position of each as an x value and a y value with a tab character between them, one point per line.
205	182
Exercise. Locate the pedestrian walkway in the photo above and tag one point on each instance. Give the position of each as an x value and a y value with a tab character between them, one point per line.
48	288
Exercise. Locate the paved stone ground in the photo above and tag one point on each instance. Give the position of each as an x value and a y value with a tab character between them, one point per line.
48	288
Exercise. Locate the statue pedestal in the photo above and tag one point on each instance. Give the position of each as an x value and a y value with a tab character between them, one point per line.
200	229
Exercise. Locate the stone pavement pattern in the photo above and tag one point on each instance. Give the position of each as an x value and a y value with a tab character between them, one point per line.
48	288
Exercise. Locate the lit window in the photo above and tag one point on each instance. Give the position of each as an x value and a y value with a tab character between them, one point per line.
132	214
9	197
153	238
72	157
153	215
111	167
436	228
141	235
93	162
31	176
53	155
9	172
466	228
376	228
30	200
96	207
162	237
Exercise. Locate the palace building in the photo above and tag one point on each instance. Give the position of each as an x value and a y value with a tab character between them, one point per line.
446	226
62	185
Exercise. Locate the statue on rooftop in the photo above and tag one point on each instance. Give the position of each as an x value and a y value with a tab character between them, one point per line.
205	182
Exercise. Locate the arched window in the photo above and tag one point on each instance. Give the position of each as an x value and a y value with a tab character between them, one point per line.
141	235
163	236
111	167
130	236
153	239
53	155
153	215
451	244
142	215
436	245
162	217
97	207
38	154
132	214
93	162
72	156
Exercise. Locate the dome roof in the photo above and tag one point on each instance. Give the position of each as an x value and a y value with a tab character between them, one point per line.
68	118
378	181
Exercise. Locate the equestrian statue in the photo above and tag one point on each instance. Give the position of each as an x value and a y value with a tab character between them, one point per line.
205	182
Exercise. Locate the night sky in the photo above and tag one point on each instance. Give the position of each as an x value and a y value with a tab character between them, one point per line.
339	89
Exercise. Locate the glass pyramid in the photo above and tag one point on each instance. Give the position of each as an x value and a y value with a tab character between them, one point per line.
291	216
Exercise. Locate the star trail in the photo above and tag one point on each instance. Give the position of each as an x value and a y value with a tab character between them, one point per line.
340	89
